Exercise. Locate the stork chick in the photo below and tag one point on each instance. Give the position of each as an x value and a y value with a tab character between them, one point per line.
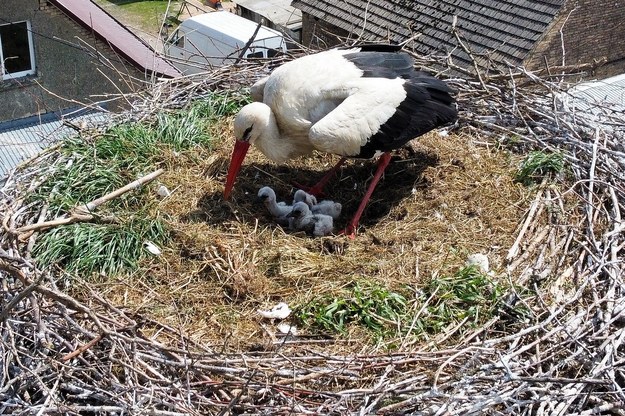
327	207
278	210
315	224
303	196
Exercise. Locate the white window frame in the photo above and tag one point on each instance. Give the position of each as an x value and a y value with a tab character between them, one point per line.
31	50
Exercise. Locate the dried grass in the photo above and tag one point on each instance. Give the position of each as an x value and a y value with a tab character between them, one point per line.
440	208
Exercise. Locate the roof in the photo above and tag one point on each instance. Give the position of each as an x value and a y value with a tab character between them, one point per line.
608	91
279	12
603	99
26	137
509	27
231	24
122	40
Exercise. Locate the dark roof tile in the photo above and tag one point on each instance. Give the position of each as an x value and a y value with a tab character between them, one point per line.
508	27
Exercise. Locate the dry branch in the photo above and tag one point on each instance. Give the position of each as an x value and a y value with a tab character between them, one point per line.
83	213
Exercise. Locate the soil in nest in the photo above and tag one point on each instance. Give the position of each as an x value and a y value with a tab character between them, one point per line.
442	198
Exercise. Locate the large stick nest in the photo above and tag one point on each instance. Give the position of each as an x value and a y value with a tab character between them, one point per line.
81	353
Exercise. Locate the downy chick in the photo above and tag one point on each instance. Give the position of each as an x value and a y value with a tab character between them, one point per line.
328	207
315	224
278	210
325	207
303	196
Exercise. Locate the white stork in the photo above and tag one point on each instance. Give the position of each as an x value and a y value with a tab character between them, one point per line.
356	103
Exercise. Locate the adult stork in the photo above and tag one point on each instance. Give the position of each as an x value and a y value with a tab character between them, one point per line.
356	103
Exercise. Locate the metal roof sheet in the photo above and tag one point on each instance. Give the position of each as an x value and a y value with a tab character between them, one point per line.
280	12
122	40
603	99
25	138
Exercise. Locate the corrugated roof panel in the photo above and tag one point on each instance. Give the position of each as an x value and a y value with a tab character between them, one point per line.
25	138
604	100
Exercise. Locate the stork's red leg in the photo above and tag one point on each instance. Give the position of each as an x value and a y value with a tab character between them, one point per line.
352	226
317	189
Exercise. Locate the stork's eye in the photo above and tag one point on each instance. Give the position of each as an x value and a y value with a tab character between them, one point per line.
246	133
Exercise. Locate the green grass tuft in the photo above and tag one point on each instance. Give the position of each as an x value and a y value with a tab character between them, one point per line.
537	165
88	249
468	295
124	152
80	180
216	106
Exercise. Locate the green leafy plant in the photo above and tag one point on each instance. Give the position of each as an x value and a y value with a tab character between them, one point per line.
537	165
375	308
467	295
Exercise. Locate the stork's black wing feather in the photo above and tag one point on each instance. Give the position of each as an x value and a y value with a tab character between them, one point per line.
378	47
383	64
429	104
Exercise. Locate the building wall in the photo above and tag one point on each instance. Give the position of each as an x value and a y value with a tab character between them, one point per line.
585	32
68	69
319	34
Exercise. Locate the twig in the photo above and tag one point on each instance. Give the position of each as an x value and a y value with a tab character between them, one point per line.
83	213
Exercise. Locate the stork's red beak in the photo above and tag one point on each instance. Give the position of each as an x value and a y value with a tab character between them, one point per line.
238	154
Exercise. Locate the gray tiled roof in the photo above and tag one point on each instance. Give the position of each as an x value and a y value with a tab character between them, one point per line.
509	27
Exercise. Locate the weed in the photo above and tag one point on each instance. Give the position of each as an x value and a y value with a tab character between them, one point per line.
467	295
538	164
371	306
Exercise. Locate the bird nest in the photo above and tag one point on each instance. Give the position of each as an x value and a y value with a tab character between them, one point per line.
181	334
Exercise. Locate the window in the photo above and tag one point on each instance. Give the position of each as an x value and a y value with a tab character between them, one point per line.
272	52
177	39
17	56
255	55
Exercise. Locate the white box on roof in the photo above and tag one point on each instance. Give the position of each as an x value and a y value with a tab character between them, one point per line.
218	38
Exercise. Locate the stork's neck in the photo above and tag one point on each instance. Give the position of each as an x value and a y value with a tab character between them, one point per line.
277	144
268	140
